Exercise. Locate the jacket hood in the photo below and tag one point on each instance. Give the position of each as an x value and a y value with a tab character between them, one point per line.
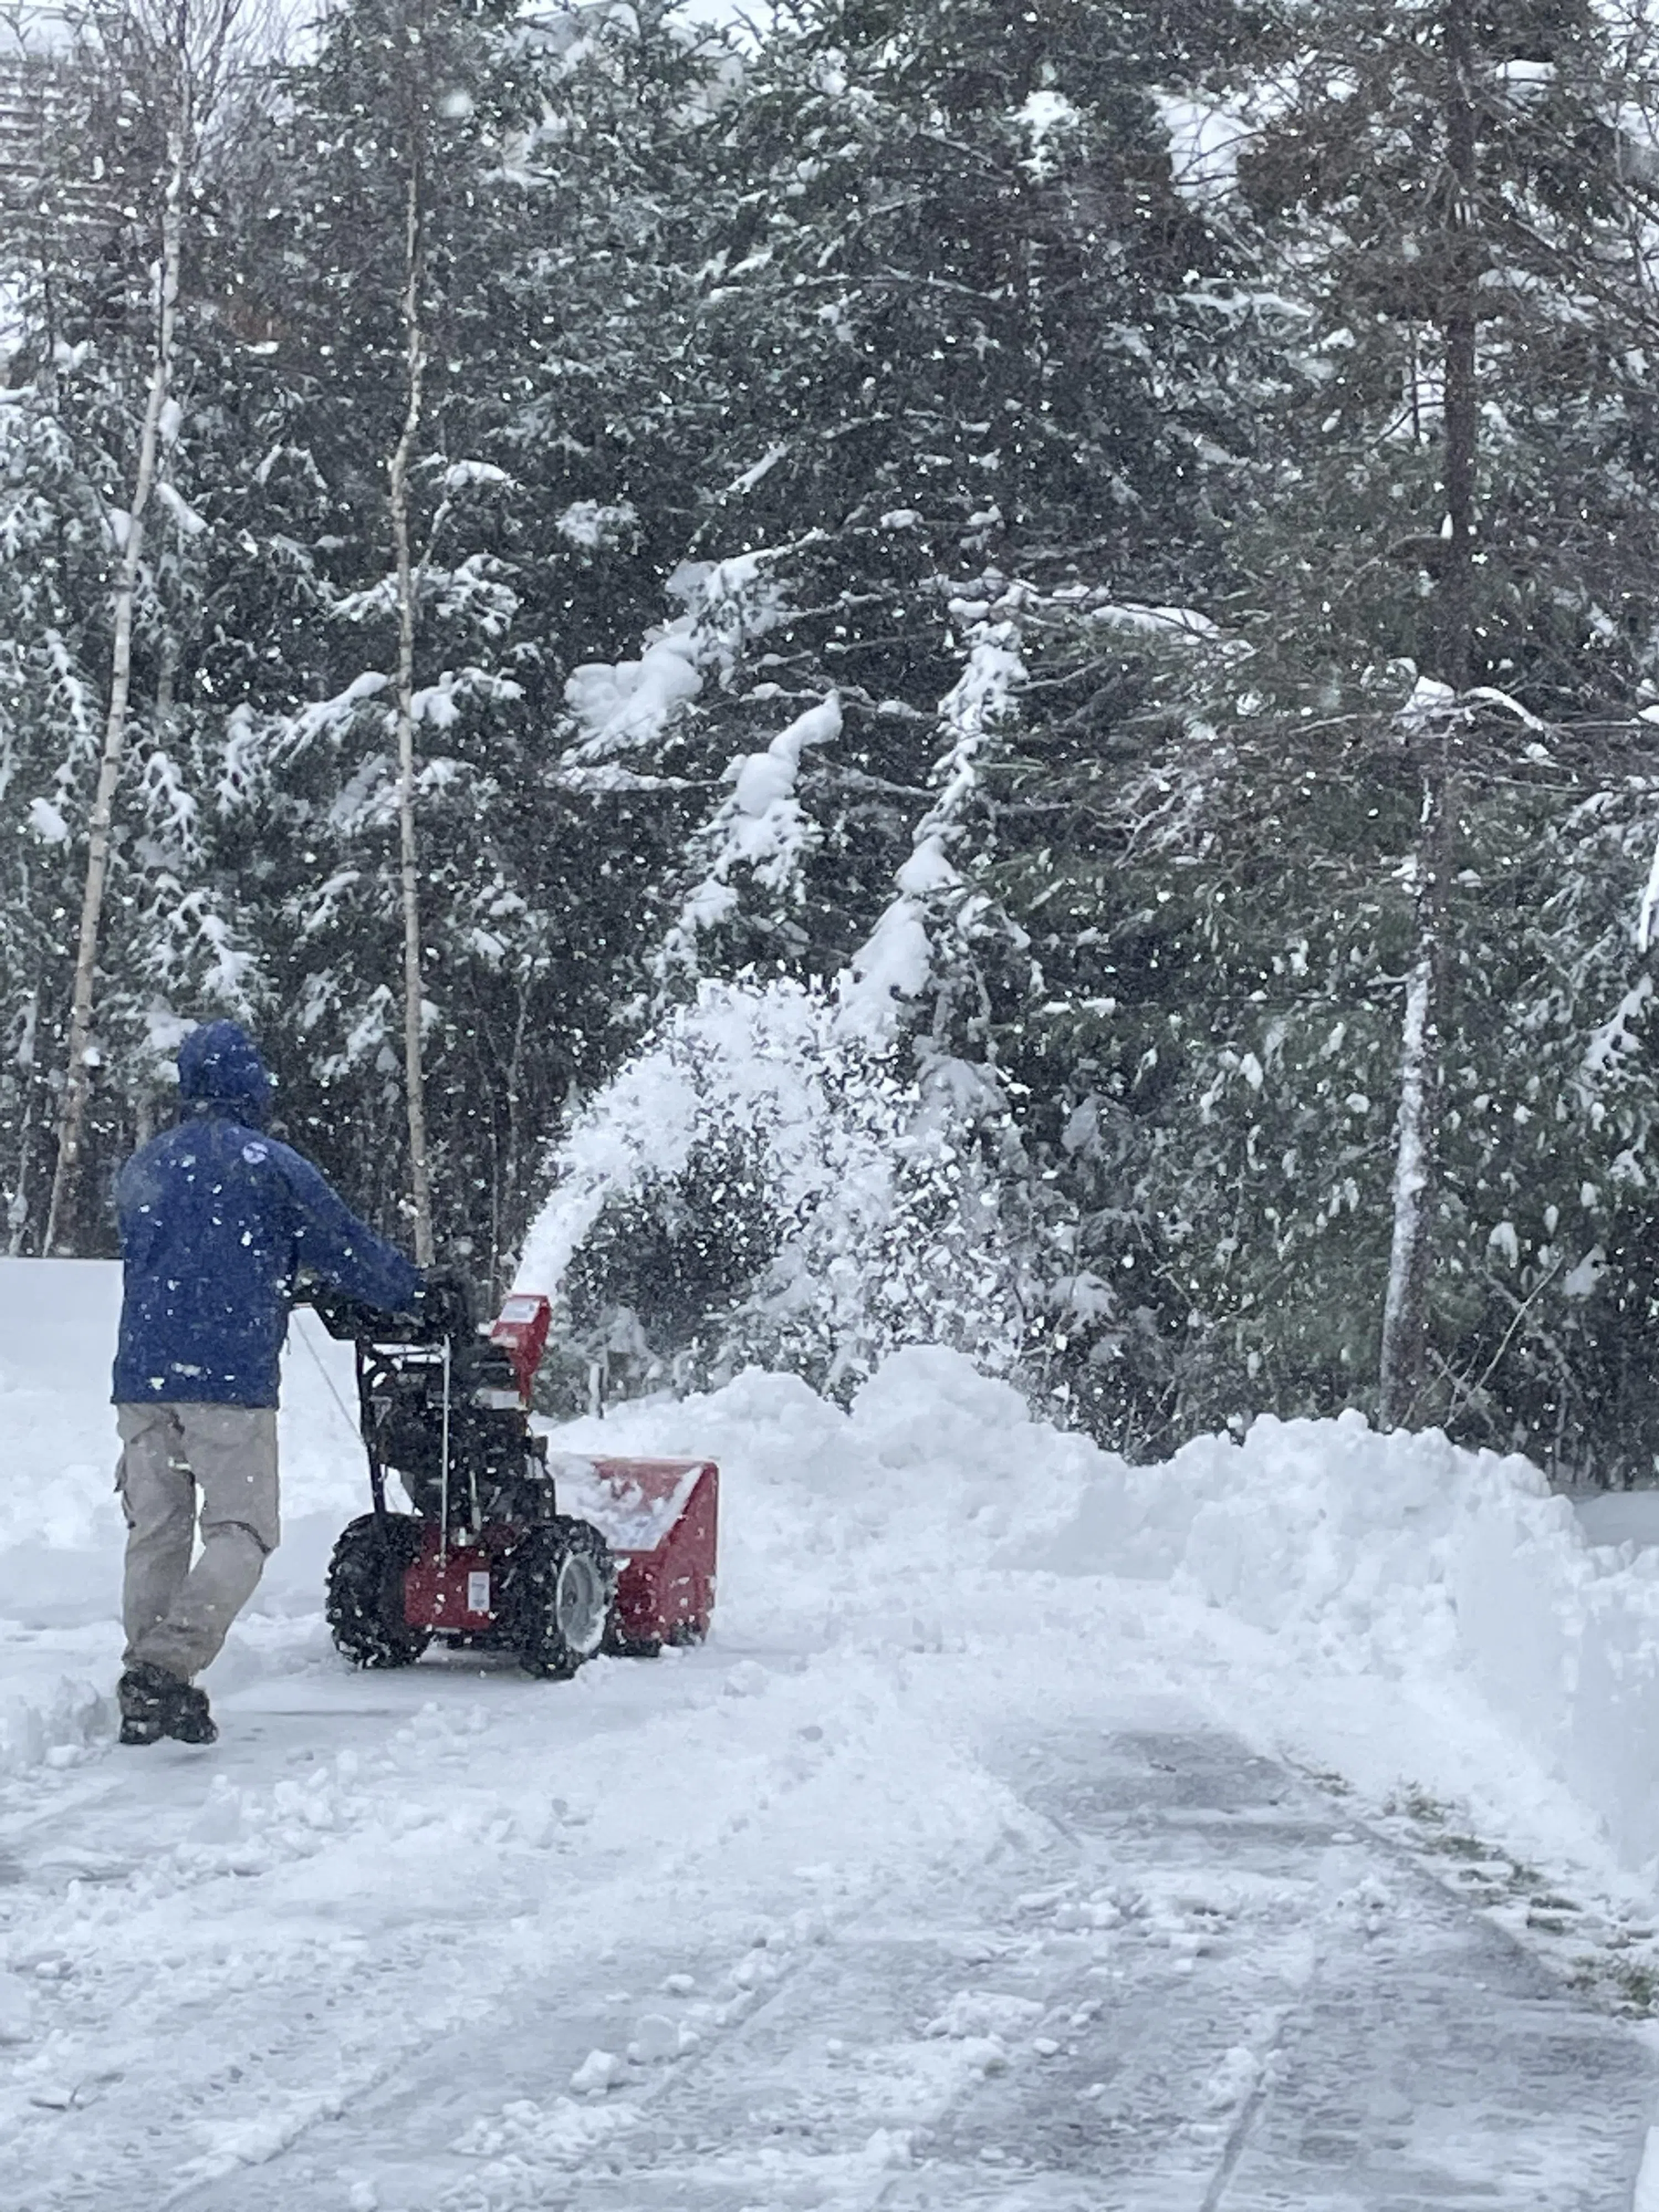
219	1064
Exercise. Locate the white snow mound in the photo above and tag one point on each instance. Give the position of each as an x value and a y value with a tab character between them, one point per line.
1406	1556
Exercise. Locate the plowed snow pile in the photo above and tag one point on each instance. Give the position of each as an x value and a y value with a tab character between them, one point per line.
1342	1567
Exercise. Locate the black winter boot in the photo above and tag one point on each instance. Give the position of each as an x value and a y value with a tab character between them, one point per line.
188	1719
142	1694
155	1704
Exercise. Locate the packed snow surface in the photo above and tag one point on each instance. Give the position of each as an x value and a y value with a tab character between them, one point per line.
1013	1844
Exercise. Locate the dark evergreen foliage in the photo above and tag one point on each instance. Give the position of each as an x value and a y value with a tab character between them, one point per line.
1079	466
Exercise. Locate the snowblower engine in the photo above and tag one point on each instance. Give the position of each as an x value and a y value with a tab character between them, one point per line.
504	1547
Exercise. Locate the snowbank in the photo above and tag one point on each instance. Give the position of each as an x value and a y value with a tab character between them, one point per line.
1406	1557
1401	1558
57	1321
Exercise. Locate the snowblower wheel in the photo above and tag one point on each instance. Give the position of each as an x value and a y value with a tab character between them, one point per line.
557	1581
366	1591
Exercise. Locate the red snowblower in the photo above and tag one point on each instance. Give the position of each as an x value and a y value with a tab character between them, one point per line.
506	1549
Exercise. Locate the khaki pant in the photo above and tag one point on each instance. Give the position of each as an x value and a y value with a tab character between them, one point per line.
177	1616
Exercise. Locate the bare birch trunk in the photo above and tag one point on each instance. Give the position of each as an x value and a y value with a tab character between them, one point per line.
66	1183
1406	1305
18	1213
1406	1315
397	485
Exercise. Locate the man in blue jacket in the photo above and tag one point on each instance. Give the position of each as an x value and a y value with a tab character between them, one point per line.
217	1220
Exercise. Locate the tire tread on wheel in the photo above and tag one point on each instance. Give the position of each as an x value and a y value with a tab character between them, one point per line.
365	1608
557	1584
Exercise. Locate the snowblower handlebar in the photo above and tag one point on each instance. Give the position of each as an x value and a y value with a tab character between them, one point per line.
444	1309
500	1360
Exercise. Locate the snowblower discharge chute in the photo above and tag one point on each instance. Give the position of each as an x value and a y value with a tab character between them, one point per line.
553	1560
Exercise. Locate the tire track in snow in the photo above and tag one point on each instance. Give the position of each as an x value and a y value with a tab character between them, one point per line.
1213	1956
231	1989
1181	1982
195	2061
1419	2058
1300	2049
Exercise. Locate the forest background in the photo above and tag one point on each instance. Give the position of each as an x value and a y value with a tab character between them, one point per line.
990	674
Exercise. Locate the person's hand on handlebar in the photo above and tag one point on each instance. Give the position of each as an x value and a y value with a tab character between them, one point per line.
445	1303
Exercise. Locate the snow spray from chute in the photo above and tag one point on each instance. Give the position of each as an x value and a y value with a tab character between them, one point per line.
887	1226
886	1232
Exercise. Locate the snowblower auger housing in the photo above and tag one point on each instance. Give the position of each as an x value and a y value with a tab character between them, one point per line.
487	1557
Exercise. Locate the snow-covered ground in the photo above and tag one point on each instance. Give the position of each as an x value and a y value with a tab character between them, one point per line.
1035	1833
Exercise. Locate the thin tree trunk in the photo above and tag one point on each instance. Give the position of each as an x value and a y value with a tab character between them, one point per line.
1405	1304
66	1183
398	475
18	1213
1460	324
508	1214
1405	1312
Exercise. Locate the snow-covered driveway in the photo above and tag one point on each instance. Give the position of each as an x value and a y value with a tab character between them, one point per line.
357	1958
941	1878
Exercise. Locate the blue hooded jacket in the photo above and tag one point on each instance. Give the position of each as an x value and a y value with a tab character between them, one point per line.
216	1221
